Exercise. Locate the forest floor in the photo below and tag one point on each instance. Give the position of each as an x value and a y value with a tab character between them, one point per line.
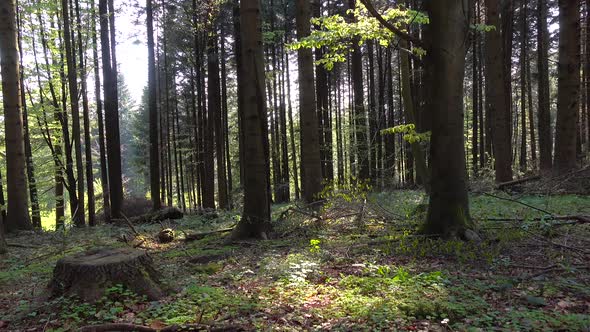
357	266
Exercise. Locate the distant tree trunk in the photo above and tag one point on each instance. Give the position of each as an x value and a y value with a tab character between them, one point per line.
225	121
255	221
410	116
113	141
17	209
360	116
104	180
523	87
86	121
544	114
215	118
311	167
239	66
475	101
568	86
496	91
57	137
448	210
292	130
78	211
3	245
212	109
153	112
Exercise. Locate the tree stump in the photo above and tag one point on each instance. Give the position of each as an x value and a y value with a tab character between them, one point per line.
88	274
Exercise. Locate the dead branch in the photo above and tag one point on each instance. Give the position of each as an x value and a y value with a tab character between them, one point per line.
519	202
577	219
198	236
504	185
130	224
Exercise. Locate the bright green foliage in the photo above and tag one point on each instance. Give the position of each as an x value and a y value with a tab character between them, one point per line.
336	32
409	132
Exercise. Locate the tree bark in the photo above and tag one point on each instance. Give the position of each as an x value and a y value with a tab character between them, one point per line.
255	221
17	209
544	114
113	141
153	112
448	210
496	94
568	86
311	168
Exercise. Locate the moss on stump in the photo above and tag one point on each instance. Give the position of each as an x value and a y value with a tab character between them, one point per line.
89	273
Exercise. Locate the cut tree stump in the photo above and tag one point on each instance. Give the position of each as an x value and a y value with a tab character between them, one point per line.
88	274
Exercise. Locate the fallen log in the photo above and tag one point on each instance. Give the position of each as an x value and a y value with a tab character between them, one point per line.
504	185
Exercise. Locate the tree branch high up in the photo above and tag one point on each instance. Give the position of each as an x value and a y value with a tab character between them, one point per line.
390	26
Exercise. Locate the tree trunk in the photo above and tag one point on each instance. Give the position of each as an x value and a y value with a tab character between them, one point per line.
544	113
86	122
496	94
448	210
360	116
113	141
255	221
77	211
17	209
106	208
523	88
568	86
311	168
153	112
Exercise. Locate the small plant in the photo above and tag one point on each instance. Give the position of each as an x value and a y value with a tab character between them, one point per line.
314	246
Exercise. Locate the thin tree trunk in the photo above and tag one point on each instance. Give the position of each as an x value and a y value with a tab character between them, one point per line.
86	123
77	211
544	115
153	112
106	208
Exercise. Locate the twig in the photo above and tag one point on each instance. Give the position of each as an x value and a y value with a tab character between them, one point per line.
519	202
130	224
20	245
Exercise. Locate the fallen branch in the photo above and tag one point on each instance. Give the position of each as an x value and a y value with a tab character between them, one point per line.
577	219
503	185
519	202
198	236
20	245
130	224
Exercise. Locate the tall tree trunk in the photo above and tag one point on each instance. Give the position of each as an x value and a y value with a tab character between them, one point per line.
216	117
3	245
448	210
568	86
544	114
113	141
17	209
153	112
523	87
33	193
255	221
360	116
104	181
77	211
86	123
311	168
496	94
292	130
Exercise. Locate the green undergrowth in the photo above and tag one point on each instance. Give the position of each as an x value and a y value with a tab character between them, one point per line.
335	276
